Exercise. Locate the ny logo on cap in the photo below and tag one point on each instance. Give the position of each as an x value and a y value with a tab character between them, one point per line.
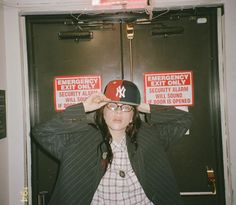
120	91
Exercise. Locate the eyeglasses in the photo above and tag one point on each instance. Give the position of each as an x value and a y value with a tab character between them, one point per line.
122	107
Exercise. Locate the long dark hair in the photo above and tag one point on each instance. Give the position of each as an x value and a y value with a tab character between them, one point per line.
131	132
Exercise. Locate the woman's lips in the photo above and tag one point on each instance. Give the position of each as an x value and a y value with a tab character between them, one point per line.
117	120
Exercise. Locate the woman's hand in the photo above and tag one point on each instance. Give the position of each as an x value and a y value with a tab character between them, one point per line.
144	108
95	101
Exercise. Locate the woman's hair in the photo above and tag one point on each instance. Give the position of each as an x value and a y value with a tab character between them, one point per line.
131	132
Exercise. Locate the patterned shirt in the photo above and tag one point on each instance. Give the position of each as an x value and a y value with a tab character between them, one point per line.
119	185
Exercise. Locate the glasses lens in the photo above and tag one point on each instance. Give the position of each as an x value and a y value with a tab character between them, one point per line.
112	106
126	108
115	106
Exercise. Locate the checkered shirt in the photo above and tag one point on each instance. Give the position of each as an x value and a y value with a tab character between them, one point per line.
119	185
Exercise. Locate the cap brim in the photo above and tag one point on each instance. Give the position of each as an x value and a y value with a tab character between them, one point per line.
122	102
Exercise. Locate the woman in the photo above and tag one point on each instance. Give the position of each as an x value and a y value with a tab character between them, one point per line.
117	159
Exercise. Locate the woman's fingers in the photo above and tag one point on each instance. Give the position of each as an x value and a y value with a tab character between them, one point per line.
95	101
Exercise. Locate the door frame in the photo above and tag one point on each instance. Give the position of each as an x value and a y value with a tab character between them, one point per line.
223	108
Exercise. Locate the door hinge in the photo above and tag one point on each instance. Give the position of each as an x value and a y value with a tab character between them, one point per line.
24	195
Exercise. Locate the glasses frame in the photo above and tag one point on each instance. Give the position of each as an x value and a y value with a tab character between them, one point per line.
120	107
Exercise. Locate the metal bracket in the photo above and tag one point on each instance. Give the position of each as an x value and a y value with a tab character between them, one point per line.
130	37
130	31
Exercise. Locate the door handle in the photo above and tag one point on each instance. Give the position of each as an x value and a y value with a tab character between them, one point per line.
211	182
42	197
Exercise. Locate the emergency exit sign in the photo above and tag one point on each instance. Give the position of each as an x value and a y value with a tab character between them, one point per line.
69	90
169	88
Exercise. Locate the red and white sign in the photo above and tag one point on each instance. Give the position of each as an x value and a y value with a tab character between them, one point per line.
69	90
169	88
123	3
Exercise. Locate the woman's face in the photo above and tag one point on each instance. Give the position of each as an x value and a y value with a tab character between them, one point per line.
118	116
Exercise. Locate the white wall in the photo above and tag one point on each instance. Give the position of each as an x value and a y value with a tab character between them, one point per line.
15	108
3	142
230	26
12	67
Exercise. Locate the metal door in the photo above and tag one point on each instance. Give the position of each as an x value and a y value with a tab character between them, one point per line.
126	46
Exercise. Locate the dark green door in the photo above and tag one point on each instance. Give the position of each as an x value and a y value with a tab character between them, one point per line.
183	40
